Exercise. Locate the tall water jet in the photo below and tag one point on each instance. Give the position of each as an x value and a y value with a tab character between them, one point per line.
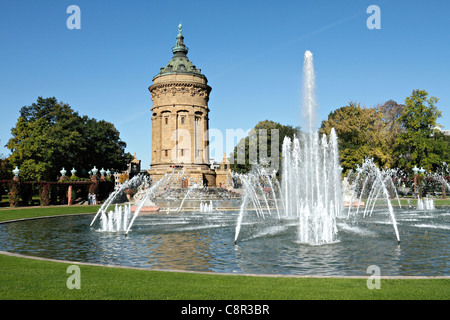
309	99
311	183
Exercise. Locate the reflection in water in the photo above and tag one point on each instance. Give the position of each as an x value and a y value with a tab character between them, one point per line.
204	242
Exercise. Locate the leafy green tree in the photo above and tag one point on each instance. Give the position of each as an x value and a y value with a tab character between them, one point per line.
5	170
50	135
31	149
420	143
365	132
102	142
353	125
386	131
258	146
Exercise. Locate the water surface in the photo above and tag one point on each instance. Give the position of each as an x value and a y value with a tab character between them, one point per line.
204	242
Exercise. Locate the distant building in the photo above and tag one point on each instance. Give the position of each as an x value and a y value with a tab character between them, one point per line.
134	167
445	132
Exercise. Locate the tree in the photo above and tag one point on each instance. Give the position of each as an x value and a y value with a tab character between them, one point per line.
5	170
50	135
103	143
419	143
386	131
31	148
365	132
259	145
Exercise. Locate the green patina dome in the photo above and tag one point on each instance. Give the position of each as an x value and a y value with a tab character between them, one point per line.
180	62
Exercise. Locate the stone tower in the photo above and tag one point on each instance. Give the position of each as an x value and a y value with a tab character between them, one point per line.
180	140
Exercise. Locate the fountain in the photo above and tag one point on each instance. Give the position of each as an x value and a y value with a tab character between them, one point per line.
311	188
255	194
375	186
311	180
136	180
145	199
117	220
310	191
311	184
195	186
120	219
164	191
425	204
432	183
206	207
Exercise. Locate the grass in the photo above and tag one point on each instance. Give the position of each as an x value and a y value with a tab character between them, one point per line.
22	278
25	278
32	212
413	202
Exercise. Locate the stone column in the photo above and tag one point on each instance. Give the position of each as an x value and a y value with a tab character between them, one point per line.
205	139
192	135
69	195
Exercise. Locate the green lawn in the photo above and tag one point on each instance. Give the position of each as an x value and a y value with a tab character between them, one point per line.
413	202
31	212
23	278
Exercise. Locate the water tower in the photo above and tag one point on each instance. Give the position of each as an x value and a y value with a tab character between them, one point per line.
180	140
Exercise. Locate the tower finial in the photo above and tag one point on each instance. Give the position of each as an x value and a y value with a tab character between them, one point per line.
180	46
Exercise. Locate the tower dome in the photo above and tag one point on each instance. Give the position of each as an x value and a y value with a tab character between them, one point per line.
180	63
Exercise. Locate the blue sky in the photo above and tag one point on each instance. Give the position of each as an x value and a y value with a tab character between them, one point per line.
250	51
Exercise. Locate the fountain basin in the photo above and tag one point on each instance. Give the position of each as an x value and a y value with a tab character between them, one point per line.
195	241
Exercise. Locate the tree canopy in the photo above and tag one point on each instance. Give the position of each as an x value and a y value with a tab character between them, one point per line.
420	143
263	144
364	132
394	135
50	135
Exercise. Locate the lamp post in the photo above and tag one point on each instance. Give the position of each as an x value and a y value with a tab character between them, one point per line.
73	171
94	171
